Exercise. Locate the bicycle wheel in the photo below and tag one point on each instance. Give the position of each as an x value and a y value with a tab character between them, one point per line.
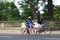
47	31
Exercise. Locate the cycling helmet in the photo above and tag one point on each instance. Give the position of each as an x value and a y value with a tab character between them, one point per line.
29	17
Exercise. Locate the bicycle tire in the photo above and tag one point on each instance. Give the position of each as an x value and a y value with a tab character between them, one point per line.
47	31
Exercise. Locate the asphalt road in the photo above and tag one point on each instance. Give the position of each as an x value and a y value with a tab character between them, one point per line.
28	37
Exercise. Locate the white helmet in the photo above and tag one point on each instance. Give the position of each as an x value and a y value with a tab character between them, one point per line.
29	17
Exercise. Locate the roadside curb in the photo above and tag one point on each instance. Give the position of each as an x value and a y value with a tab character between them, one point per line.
10	32
19	32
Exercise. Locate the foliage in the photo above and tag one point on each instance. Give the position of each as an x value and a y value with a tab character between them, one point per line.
8	11
27	11
56	13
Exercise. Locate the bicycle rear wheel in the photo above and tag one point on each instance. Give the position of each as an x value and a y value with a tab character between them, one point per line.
47	31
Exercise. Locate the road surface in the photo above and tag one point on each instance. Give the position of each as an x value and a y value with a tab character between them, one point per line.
29	37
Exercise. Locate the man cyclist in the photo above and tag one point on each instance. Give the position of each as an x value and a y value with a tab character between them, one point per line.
28	24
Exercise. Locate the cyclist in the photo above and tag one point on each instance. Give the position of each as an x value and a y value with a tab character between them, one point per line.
28	24
41	23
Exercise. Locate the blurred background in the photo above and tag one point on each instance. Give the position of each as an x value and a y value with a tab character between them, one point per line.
13	12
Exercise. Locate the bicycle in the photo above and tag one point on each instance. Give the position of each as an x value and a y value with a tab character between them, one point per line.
46	29
33	30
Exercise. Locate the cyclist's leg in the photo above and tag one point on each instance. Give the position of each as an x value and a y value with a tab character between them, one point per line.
40	27
31	29
27	29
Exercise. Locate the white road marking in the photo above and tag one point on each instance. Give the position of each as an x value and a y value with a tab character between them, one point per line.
6	36
53	38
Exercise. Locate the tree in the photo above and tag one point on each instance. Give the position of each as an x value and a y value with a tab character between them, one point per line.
8	11
50	8
33	4
26	11
56	11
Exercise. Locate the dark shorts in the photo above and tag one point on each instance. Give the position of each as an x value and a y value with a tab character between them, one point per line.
28	26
